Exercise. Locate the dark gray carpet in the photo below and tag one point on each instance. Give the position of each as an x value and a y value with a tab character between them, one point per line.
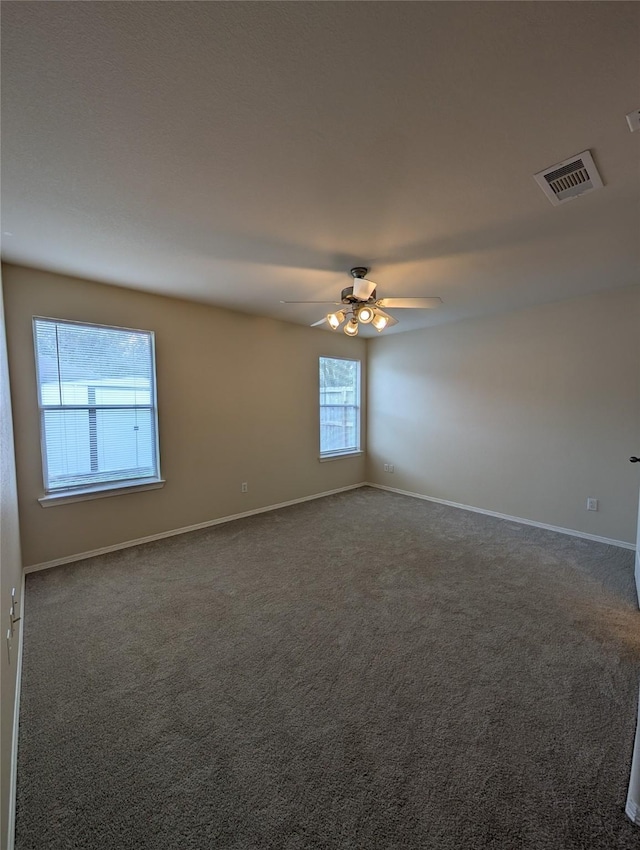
363	671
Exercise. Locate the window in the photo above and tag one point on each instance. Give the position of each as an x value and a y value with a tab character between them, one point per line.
339	407
97	399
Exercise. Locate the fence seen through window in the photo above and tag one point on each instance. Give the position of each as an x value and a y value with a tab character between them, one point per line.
96	388
339	406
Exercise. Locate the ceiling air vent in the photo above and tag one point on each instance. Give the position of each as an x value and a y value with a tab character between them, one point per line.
569	179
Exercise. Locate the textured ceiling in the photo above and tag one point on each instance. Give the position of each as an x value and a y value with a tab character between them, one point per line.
241	153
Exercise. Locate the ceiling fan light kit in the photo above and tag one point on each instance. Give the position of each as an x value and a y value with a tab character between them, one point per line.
380	322
336	319
351	328
363	307
366	314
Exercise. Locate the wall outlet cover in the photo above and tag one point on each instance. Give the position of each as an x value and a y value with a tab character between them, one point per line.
633	120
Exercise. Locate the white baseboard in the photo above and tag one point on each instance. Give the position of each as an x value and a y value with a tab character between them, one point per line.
13	778
610	541
81	556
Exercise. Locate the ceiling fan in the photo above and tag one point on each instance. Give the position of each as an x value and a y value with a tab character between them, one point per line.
360	305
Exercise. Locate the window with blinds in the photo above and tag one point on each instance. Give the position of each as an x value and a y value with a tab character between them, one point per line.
97	398
339	406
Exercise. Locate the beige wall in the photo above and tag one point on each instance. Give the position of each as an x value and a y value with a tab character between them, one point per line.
237	401
10	576
526	414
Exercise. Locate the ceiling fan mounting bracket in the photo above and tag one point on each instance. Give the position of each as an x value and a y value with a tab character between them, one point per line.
359	272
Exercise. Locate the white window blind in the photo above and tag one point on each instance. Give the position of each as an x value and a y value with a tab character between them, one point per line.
339	406
96	390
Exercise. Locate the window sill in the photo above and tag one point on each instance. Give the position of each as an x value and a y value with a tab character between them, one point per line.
100	491
325	458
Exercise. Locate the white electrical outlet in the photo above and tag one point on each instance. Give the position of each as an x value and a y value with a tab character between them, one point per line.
244	487
633	120
592	504
386	467
391	468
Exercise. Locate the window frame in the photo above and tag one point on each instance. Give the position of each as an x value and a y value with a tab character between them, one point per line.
323	457
107	487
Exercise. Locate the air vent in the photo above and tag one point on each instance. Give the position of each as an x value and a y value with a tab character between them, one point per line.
569	179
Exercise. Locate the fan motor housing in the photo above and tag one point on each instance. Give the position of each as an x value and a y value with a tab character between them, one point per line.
349	298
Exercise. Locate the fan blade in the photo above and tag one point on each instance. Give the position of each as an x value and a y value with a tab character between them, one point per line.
412	303
363	288
320	322
311	302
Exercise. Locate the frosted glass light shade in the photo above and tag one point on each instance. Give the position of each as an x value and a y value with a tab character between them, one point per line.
380	322
335	319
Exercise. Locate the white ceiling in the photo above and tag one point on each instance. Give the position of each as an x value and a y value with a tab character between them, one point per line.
241	153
